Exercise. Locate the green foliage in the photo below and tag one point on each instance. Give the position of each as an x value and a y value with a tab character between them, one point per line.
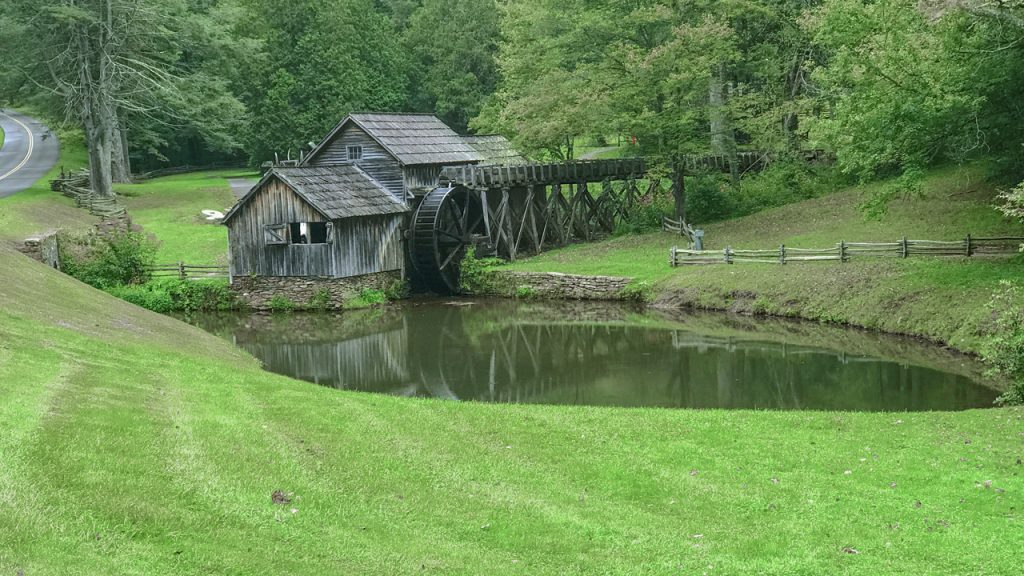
473	271
1011	202
320	300
173	295
525	292
368	297
323	59
645	216
452	74
638	291
281	304
1004	350
114	259
907	88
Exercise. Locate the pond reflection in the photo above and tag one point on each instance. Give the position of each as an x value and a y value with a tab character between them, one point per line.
605	355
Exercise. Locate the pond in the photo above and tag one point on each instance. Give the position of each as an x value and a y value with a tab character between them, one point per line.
608	355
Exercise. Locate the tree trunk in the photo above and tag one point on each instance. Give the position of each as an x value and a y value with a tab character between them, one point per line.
121	170
723	139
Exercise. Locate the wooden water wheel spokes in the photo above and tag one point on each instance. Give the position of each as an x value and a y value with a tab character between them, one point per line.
444	226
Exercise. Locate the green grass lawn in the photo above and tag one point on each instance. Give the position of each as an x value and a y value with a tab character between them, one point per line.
939	298
132	443
169	209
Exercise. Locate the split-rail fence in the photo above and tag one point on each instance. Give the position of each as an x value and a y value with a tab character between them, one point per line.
844	251
183	271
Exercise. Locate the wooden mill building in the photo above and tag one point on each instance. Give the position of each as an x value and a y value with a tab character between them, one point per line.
342	211
405	152
324	221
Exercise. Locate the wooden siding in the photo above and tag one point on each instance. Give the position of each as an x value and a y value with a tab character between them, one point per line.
368	245
361	245
422	179
376	160
341	364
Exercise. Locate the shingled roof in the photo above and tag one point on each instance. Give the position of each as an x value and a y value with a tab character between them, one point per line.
337	191
494	149
411	138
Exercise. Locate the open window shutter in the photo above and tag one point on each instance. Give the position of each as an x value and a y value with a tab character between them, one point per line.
330	232
275	234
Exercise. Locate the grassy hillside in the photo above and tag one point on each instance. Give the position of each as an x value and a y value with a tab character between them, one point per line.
169	208
132	443
943	299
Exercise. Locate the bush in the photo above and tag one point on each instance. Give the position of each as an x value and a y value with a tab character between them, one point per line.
637	290
115	259
279	303
144	296
1004	351
320	300
473	271
173	295
525	292
367	297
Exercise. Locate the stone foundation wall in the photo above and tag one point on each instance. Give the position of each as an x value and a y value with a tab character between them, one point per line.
42	248
554	285
257	291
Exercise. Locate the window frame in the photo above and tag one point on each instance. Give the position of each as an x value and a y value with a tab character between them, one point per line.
275	234
358	152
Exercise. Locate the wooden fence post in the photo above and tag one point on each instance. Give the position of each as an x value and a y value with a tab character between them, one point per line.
782	253
904	246
728	254
181	270
842	251
672	254
967	246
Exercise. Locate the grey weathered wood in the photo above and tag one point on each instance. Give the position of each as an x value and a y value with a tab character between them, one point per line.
361	245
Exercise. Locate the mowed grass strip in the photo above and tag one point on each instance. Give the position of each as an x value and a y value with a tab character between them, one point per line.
169	208
137	444
943	299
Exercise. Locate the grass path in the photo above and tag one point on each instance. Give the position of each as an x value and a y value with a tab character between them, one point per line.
169	208
943	299
133	443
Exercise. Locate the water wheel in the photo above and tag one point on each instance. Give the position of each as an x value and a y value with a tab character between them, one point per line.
444	226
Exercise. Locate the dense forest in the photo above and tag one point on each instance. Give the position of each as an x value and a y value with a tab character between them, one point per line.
891	87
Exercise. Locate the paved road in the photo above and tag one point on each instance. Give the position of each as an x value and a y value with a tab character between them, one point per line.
28	154
595	153
241	186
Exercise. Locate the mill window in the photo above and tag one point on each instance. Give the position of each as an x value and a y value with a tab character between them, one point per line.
355	153
310	232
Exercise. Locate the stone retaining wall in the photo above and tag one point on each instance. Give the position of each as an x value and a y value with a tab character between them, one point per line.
43	248
555	285
257	291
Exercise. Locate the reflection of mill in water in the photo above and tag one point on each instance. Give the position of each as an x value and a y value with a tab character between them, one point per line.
481	355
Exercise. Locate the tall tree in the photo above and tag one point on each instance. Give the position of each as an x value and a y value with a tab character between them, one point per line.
324	59
452	46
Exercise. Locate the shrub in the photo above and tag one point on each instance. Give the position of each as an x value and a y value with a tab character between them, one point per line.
279	303
144	296
367	297
637	290
173	295
320	300
1004	351
115	259
525	292
473	271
